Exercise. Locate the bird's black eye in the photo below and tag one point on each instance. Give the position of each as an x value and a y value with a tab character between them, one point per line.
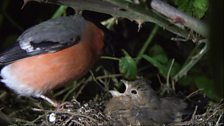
133	91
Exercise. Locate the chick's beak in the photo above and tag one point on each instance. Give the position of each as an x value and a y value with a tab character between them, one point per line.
126	84
115	93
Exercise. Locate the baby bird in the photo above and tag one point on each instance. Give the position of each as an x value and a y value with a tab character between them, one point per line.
139	105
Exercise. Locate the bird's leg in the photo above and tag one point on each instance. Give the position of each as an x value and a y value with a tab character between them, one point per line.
52	102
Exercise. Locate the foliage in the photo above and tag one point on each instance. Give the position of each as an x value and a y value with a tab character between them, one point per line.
145	44
128	67
196	8
158	59
202	82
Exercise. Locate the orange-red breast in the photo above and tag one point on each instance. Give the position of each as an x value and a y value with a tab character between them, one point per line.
50	54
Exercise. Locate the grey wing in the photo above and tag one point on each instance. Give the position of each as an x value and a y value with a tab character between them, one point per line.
52	35
49	36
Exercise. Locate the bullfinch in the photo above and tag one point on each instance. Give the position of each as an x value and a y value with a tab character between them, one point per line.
51	54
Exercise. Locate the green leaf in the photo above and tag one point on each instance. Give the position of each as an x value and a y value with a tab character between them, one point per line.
163	67
206	84
185	5
196	8
128	67
200	7
157	64
187	80
157	53
159	59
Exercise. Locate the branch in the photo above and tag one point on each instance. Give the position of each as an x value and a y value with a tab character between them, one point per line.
140	12
180	17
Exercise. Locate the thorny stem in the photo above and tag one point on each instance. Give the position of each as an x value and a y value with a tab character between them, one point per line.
179	17
138	12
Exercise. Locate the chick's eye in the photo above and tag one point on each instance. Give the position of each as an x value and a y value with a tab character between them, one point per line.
134	92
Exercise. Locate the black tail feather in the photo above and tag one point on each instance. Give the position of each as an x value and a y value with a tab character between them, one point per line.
12	54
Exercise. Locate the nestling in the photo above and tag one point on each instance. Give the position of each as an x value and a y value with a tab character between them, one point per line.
139	105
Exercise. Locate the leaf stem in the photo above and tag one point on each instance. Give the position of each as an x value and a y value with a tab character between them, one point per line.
60	11
109	58
146	44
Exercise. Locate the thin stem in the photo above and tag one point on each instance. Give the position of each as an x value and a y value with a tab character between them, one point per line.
168	73
109	22
12	21
146	44
192	60
109	58
60	11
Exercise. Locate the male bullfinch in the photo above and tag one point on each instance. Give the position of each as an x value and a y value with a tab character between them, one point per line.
50	54
139	105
